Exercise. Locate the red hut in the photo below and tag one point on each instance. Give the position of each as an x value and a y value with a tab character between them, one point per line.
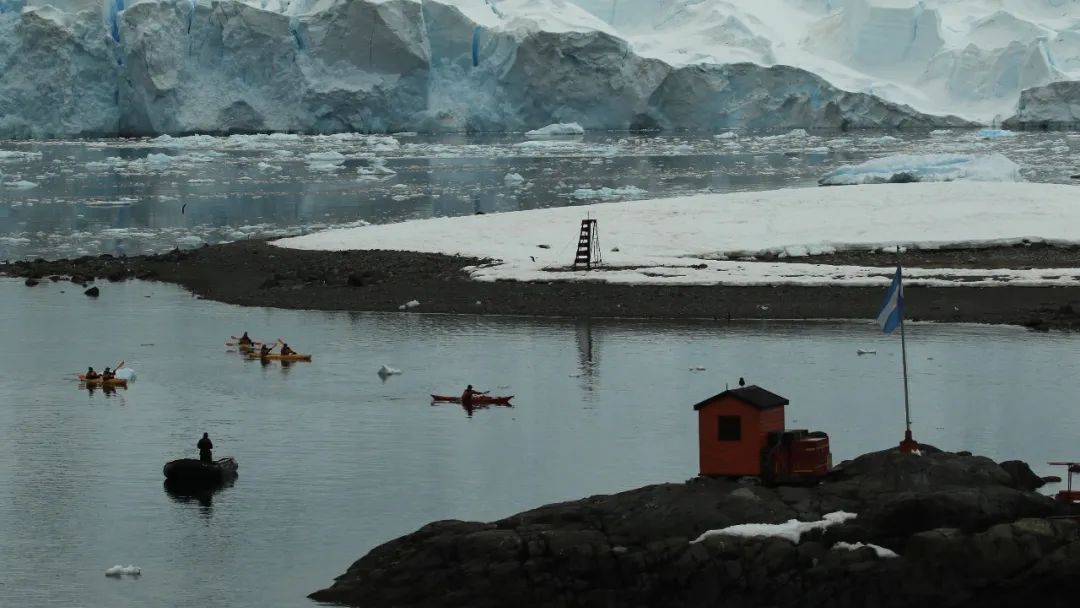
741	433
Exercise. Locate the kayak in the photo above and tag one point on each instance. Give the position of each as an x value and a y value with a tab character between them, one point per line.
279	357
195	471
101	382
476	399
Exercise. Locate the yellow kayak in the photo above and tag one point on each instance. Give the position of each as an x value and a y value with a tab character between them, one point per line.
280	357
101	382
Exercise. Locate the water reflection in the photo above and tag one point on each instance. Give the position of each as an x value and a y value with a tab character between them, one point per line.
106	391
201	494
588	356
474	407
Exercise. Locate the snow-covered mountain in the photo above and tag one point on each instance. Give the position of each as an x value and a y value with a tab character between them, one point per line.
103	67
970	57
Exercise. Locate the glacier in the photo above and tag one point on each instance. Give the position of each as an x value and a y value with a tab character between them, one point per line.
90	68
1056	105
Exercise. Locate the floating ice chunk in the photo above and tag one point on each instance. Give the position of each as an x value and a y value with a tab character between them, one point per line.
792	530
125	373
16	155
884	139
513	179
725	135
330	155
993	133
863	351
20	185
124	202
409	304
625	191
556	130
119	570
386	371
263	166
160	159
792	134
901	168
881	551
541	145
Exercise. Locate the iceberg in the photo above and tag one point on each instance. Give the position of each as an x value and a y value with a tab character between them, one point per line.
903	168
556	130
120	570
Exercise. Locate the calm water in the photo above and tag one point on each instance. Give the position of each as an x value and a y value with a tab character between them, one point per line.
334	461
69	198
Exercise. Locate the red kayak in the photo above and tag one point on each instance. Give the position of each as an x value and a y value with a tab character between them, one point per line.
475	399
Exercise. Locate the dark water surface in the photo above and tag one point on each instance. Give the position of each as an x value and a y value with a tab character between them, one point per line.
334	461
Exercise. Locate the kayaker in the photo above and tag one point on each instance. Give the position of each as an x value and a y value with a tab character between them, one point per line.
245	340
285	350
107	374
264	351
91	374
205	446
468	394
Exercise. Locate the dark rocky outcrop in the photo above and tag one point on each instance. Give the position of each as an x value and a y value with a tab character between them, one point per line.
256	273
93	292
965	535
1022	475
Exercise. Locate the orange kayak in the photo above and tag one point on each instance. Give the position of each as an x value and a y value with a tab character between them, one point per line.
279	357
102	382
476	399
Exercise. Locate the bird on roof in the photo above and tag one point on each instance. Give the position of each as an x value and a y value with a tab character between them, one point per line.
742	382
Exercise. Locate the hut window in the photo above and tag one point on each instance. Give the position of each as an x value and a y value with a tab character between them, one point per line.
729	427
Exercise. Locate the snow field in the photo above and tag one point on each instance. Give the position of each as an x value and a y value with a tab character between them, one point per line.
713	239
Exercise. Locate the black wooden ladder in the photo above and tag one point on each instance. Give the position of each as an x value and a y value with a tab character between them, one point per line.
588	248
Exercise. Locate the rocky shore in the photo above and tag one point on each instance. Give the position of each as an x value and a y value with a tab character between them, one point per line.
254	273
936	529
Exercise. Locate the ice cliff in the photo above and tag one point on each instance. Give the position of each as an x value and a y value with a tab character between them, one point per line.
1056	105
110	67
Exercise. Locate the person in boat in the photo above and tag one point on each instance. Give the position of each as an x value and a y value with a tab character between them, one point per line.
245	340
468	394
107	374
285	350
205	448
91	374
264	351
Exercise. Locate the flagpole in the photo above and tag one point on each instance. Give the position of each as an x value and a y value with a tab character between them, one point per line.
908	445
903	357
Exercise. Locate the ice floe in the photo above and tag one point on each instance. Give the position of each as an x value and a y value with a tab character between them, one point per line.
119	570
902	168
556	130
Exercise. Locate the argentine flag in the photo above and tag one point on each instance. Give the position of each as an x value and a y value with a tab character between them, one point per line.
892	311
